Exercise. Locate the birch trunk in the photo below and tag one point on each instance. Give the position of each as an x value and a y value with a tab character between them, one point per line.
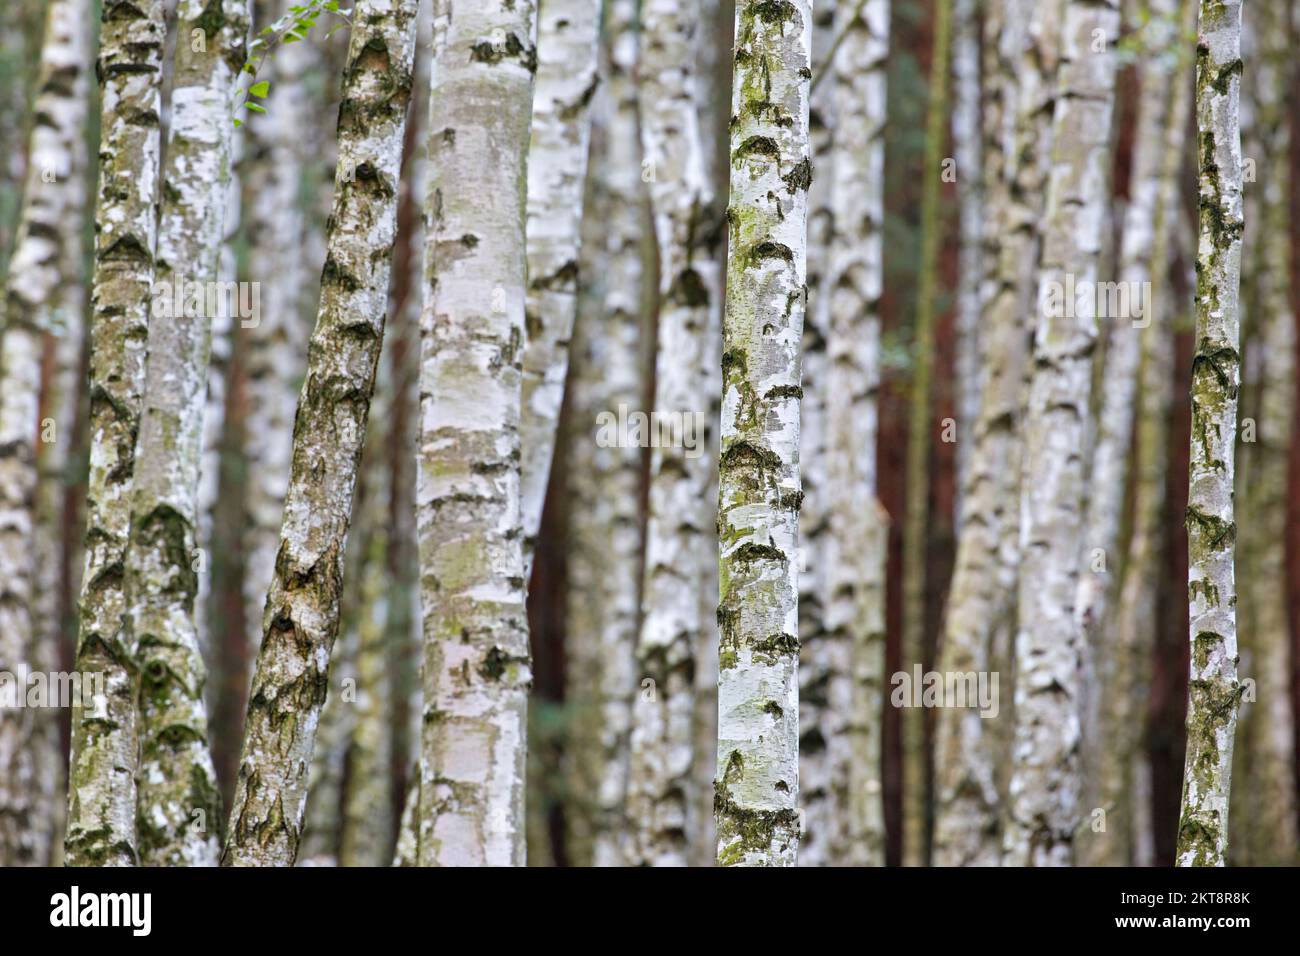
102	788
605	531
1141	254
477	668
757	788
1042	816
302	612
178	807
971	751
968	151
568	41
816	717
916	756
1264	829
48	231
659	797
1213	688
278	159
854	561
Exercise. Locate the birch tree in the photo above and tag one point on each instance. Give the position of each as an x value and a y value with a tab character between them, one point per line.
662	751
1213	688
1264	829
916	756
567	45
758	693
301	619
970	751
477	668
1044	789
1157	150
854	562
48	231
816	718
178	805
605	530
101	777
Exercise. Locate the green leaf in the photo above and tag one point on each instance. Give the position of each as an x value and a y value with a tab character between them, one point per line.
256	108
238	123
260	90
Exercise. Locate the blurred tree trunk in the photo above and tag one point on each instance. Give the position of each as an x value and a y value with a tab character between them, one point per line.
102	787
816	716
1042	813
660	782
1214	690
758	692
853	566
917	835
302	612
968	136
1109	733
178	807
567	45
605	530
45	260
1264	823
477	666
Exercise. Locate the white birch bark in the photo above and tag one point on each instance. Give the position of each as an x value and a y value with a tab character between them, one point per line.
1110	730
968	151
970	756
758	693
854	561
48	231
605	530
568	41
816	718
302	613
102	788
1213	688
278	158
477	667
1042	813
660	783
1264	828
178	806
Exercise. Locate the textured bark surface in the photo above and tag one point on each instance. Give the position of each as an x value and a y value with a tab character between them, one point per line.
1117	639
605	530
916	755
302	609
1213	688
970	754
854	570
816	718
567	45
47	241
1042	812
757	785
477	667
178	807
102	788
968	135
1263	828
277	159
660	783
